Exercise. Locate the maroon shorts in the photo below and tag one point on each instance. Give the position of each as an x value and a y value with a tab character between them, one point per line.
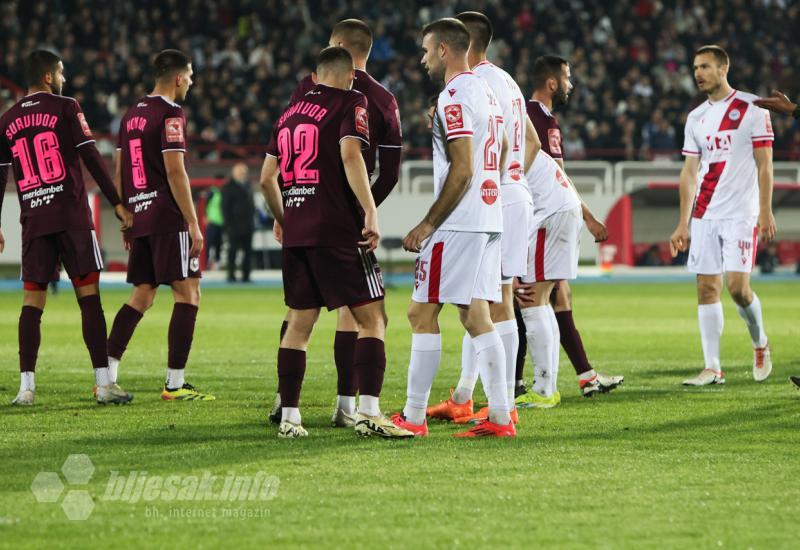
330	276
77	250
161	259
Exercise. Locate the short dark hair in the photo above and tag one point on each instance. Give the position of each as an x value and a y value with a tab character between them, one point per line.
334	58
720	55
479	27
39	63
355	34
450	31
547	67
170	62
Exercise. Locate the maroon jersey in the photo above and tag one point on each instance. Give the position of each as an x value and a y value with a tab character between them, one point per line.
150	128
320	209
40	136
547	128
384	115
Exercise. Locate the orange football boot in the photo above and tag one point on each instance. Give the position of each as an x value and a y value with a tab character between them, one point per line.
400	421
449	410
489	429
483	414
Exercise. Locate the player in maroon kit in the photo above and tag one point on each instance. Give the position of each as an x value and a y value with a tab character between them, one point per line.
330	229
385	142
44	137
165	242
552	86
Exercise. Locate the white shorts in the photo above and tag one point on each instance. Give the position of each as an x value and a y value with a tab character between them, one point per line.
455	267
553	248
719	246
517	224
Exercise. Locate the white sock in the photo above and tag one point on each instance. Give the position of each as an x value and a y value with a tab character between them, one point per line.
539	334
755	324
101	377
711	321
290	414
368	404
469	372
491	360
556	351
26	381
113	367
347	403
426	352
510	337
174	379
277	402
588	375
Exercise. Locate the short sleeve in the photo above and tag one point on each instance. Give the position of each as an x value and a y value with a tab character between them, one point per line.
173	131
456	116
554	139
355	122
761	129
690	146
393	135
77	127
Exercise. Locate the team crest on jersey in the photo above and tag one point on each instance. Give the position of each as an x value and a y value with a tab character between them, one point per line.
735	115
454	117
554	140
489	192
515	170
174	130
84	125
362	121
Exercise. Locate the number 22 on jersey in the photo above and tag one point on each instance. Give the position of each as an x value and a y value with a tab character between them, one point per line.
298	150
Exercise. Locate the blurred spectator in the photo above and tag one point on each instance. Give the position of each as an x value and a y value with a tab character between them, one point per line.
239	211
651	258
215	222
767	258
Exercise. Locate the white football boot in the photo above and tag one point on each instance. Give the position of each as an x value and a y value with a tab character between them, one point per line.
288	430
379	426
706	378
343	419
112	394
25	398
762	363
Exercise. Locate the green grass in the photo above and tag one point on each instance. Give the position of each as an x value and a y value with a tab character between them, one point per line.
652	464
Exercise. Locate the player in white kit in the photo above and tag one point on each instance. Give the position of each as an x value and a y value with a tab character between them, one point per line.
553	253
517	219
458	241
728	150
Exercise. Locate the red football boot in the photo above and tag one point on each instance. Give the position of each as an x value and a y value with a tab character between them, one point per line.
400	421
489	429
449	410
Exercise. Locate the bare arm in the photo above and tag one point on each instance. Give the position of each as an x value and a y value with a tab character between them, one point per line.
270	188
357	178
182	193
766	219
458	178
532	144
3	178
679	240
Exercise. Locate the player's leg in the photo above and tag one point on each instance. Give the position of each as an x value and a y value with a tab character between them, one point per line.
180	336
522	353
292	369
542	337
34	298
344	350
233	248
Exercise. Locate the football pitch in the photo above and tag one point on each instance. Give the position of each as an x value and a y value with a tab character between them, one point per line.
652	464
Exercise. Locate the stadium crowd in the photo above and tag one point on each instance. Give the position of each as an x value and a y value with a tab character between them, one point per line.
630	60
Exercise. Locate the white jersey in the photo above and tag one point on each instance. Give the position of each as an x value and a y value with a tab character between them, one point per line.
551	189
724	135
467	107
512	103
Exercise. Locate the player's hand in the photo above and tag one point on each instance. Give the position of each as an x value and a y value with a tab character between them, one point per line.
2	241
413	241
197	240
597	229
277	232
777	102
126	240
766	225
679	240
523	293
124	216
430	113
371	233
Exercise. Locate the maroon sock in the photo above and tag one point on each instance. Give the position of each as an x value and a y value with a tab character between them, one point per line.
522	351
122	330
93	323
572	343
344	349
291	370
369	362
30	336
284	326
181	332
